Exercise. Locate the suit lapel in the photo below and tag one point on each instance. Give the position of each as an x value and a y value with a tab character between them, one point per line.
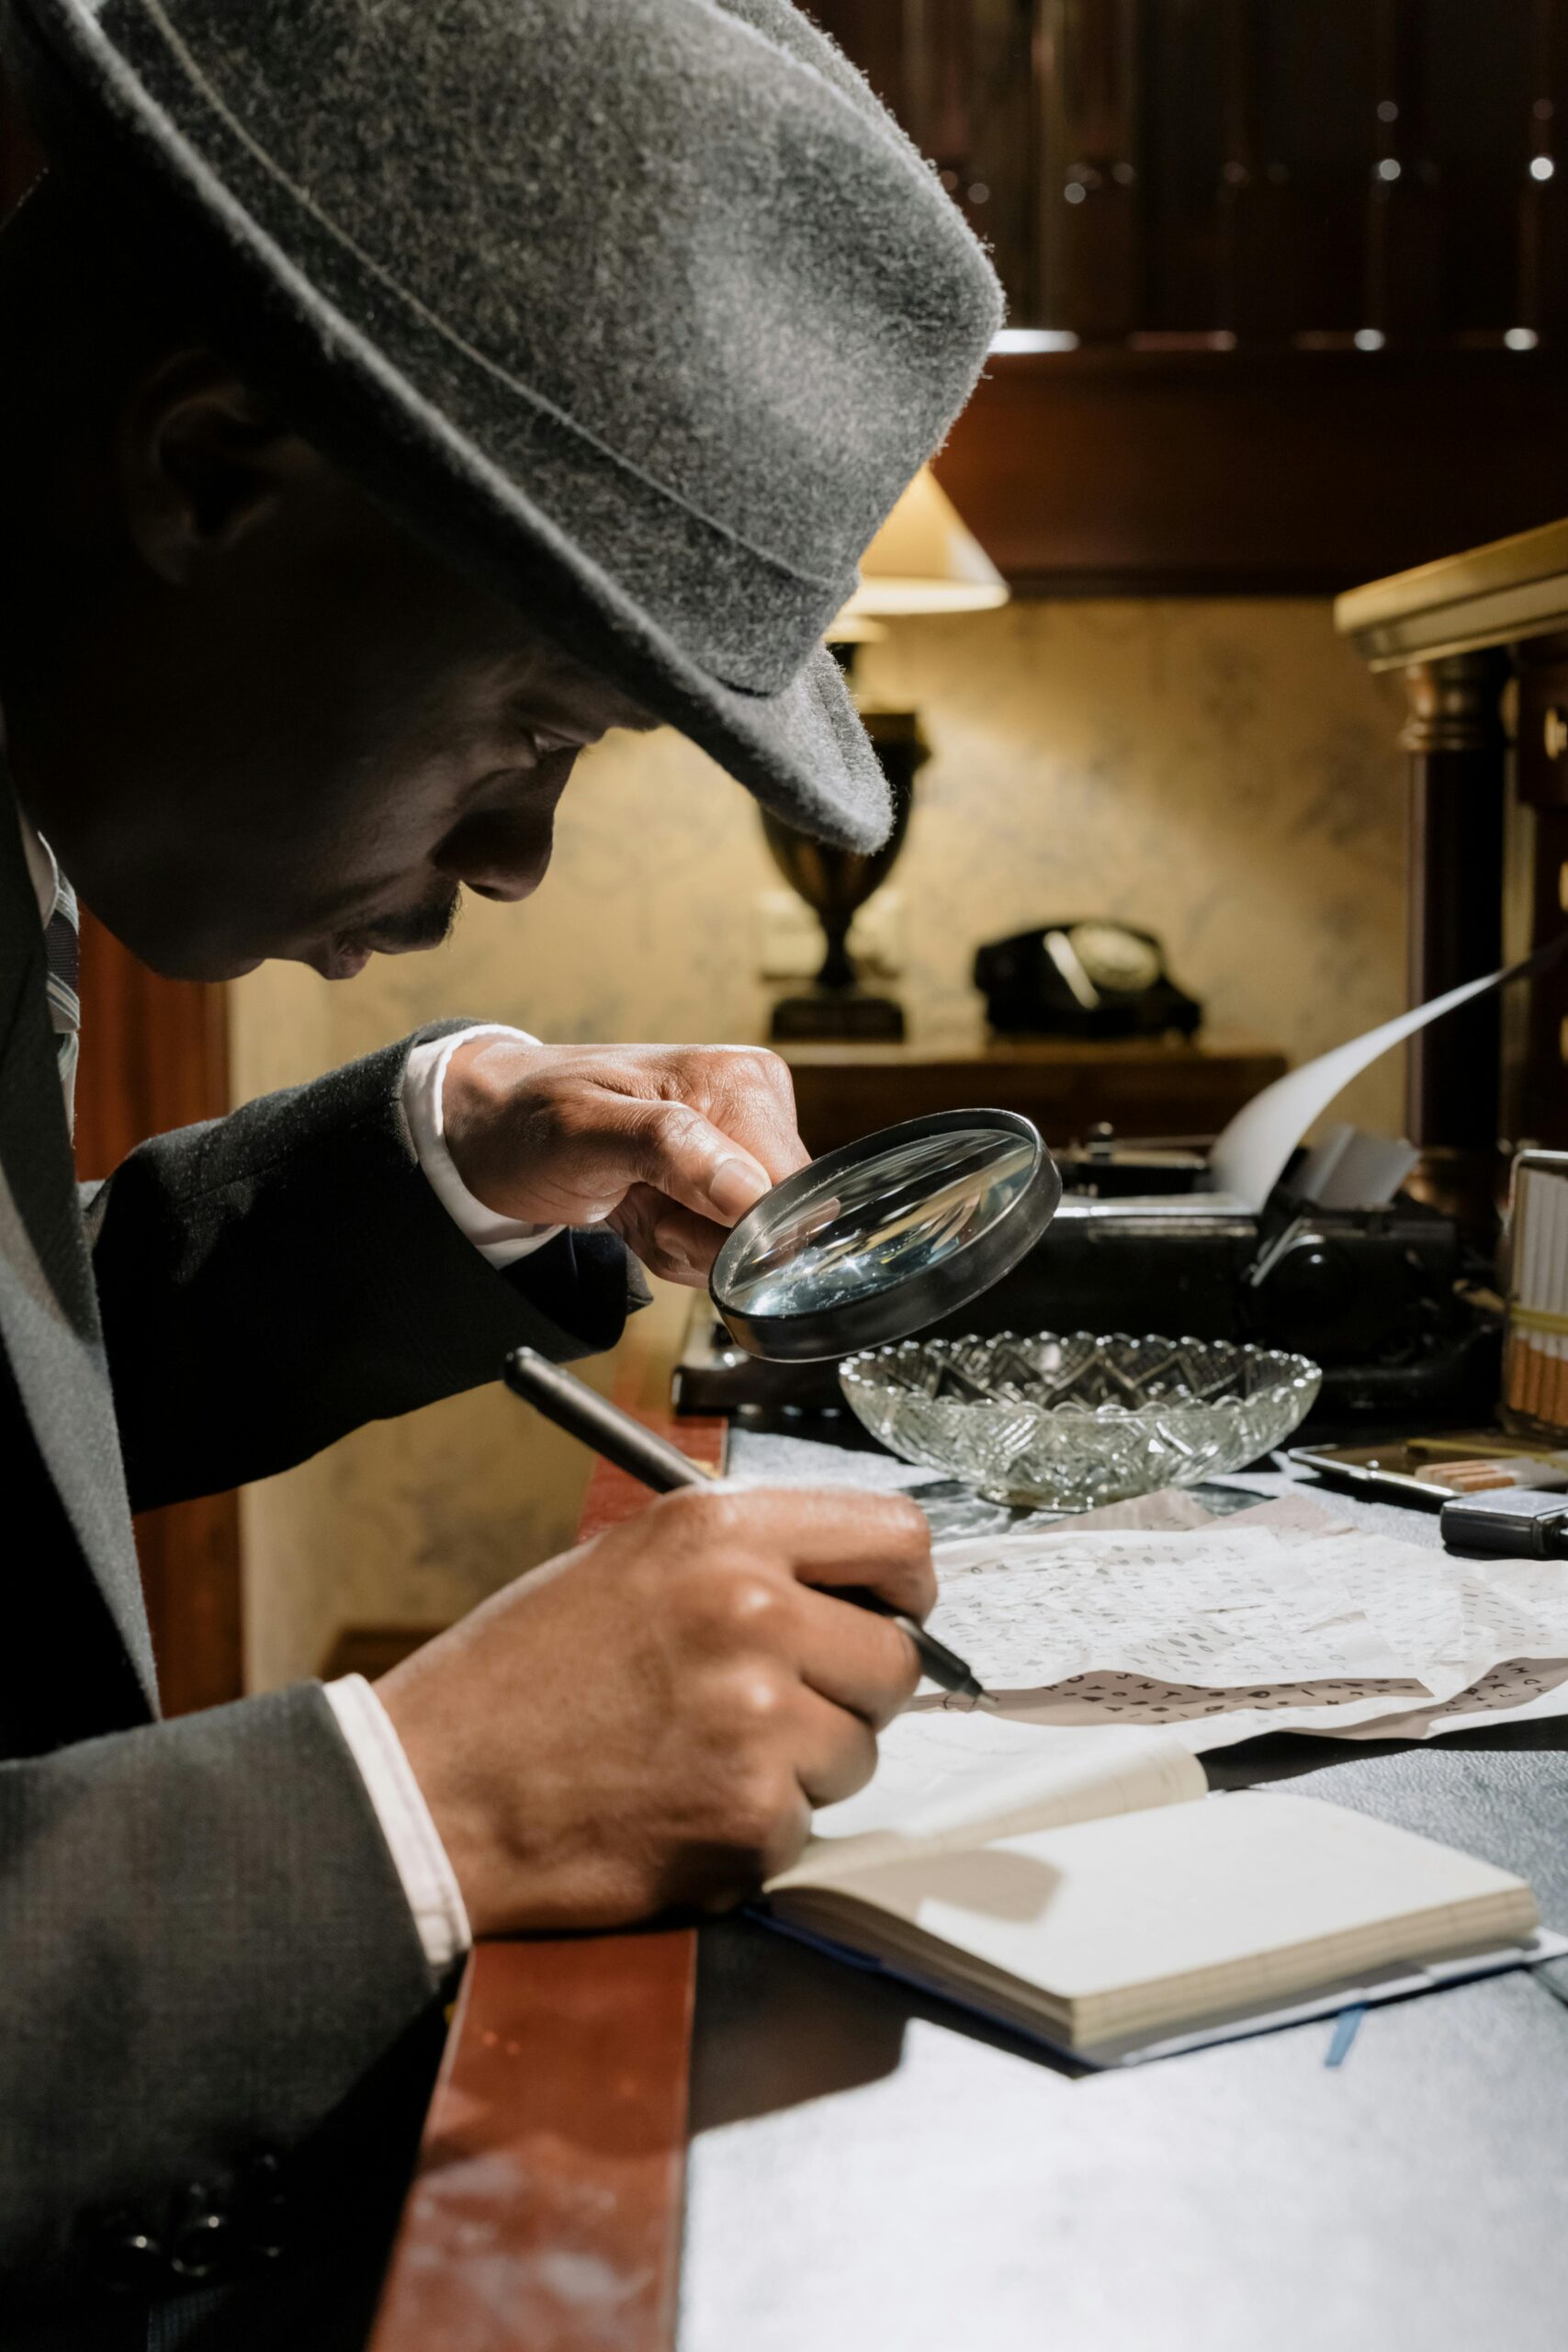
48	1314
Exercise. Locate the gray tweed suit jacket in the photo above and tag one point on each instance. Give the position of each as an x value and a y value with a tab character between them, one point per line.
213	2003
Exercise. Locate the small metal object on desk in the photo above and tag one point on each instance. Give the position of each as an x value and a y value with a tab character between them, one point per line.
584	1414
1515	1522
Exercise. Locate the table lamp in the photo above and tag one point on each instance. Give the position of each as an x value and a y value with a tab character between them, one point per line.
923	560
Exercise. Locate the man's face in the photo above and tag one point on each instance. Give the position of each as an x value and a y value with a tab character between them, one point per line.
304	746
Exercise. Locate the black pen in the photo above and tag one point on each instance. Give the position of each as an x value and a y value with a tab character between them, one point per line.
620	1439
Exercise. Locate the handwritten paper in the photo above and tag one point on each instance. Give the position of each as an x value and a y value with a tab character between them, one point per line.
1221	1634
1218	1607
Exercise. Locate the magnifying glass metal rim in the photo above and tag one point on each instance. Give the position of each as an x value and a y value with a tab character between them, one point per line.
916	1301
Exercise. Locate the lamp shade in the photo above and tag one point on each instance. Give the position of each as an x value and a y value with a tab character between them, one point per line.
924	560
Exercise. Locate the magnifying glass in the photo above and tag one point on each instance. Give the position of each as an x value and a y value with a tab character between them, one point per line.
884	1236
869	1244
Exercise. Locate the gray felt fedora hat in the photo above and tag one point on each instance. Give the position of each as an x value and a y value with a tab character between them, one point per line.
644	311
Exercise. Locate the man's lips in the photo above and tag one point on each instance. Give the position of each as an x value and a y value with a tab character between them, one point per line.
340	959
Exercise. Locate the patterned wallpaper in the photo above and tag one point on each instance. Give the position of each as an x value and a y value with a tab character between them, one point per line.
1223	773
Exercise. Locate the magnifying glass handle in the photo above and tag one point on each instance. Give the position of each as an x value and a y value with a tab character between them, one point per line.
572	1406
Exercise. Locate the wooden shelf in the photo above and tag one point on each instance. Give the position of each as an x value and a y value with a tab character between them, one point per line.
1144	1086
1109	471
1500	594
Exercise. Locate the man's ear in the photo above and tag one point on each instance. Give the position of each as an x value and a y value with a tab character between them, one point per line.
201	462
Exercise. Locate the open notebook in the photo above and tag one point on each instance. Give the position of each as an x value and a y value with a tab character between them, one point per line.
1085	1886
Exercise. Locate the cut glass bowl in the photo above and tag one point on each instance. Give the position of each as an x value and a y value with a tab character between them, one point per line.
1070	1421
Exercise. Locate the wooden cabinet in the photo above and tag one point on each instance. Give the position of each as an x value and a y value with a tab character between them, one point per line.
1118	471
1276	171
1297	271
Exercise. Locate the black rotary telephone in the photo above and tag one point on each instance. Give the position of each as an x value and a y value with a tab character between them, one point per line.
1093	979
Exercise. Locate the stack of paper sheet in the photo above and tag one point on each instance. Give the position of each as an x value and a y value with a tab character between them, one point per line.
1266	1623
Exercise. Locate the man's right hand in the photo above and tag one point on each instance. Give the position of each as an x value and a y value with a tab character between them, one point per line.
650	1720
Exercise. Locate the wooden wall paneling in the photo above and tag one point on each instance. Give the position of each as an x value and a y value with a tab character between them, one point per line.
1256	286
960	76
1183	189
939	71
1477	107
1091	208
1403	198
155	1055
1320	104
1319	166
875	34
1538	190
1338	191
998	181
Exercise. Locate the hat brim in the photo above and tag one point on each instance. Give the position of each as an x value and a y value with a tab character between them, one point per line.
802	751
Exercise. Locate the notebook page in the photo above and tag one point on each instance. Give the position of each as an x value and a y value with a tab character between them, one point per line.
1152	1918
949	1780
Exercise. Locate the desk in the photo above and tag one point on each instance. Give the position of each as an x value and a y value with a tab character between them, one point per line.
544	2214
866	2169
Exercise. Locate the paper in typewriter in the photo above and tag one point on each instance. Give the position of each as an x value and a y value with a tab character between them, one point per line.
1220	1634
1249	1158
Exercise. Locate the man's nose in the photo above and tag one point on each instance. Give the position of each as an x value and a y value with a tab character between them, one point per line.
500	856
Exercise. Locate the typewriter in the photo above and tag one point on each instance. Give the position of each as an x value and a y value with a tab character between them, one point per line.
1392	1302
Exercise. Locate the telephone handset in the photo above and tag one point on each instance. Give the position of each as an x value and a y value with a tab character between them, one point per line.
1092	978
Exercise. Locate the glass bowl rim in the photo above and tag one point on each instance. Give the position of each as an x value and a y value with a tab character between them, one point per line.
1295	1371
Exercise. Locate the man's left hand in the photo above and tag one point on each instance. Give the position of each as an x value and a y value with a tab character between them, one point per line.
669	1145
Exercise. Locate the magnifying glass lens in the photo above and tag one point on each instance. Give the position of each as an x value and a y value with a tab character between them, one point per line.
891	1218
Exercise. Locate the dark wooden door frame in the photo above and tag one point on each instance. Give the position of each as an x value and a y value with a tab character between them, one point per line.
155	1055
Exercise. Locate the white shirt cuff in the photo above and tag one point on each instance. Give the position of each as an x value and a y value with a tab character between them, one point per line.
429	1880
501	1240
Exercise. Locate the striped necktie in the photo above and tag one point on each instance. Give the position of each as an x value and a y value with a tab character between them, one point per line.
62	957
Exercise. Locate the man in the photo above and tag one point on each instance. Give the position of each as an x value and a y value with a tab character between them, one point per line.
394	398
